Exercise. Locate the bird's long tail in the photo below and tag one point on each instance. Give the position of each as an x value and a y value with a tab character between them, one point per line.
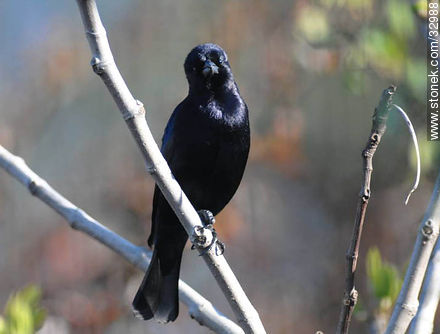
157	296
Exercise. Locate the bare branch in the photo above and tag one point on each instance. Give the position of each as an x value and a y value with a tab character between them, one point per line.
134	114
429	298
407	302
200	309
378	129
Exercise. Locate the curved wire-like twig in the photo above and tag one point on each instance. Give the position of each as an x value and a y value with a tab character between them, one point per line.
416	145
199	308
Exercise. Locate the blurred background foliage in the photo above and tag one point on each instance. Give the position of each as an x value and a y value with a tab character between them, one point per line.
311	73
23	314
384	279
385	282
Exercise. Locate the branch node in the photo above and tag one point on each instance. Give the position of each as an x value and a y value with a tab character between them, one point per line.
350	256
74	217
138	110
410	308
366	195
351	299
427	230
33	187
368	152
375	138
151	169
98	65
100	30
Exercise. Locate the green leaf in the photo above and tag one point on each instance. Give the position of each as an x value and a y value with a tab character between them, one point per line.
365	5
2	326
384	51
39	317
421	8
23	315
355	81
384	279
312	24
401	19
416	77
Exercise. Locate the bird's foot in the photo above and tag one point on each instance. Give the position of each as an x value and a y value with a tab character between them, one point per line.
206	217
204	241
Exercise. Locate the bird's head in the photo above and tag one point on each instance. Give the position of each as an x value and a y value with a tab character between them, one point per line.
207	68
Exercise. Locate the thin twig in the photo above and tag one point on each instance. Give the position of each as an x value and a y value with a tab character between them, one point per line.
199	308
407	302
378	129
134	115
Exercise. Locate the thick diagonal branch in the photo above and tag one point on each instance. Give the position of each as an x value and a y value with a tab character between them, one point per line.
407	303
134	114
200	309
378	129
430	295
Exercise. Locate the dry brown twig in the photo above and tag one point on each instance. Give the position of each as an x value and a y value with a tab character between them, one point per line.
378	129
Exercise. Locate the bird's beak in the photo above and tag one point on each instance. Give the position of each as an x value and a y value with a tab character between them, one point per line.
209	69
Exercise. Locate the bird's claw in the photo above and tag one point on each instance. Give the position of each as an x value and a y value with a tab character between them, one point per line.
208	221
206	217
219	247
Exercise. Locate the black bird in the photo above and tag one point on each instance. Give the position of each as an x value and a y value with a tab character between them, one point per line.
206	144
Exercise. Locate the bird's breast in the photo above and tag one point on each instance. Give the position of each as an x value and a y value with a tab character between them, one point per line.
213	109
227	113
211	145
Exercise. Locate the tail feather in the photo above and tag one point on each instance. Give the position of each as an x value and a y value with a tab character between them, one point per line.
157	296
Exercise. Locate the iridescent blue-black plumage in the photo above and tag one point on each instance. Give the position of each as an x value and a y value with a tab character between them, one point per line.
206	144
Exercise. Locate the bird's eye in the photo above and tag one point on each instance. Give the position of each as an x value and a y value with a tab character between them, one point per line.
221	60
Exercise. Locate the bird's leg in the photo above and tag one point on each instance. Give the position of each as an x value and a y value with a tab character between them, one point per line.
208	221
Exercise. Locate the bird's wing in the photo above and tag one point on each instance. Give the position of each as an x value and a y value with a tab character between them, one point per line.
167	151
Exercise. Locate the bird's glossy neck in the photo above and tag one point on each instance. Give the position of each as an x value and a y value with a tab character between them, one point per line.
213	92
